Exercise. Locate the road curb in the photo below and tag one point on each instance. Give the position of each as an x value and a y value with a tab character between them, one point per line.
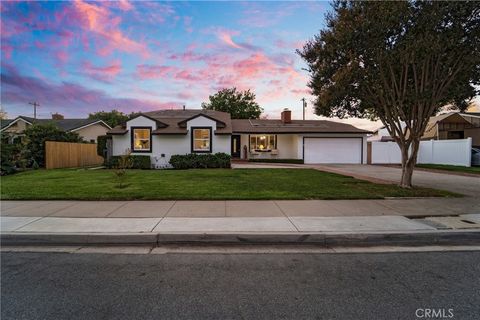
446	237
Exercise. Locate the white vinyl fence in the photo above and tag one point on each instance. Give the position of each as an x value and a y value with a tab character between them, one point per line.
454	152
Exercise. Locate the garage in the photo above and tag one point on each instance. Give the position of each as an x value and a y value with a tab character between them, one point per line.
332	150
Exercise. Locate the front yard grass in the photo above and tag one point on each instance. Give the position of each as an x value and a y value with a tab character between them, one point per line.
474	170
199	184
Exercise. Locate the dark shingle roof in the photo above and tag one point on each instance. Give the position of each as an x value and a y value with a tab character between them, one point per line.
5	122
64	124
475	114
175	124
296	126
173	121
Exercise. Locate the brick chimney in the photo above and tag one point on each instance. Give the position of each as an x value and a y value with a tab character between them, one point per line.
57	116
286	116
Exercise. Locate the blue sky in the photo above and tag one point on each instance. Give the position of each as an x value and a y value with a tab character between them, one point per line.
84	56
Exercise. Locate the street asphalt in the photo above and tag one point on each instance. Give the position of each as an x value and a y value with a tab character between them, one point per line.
239	286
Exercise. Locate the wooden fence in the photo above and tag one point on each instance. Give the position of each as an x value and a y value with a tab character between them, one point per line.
71	155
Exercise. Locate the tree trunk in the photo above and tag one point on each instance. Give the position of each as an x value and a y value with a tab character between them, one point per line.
409	160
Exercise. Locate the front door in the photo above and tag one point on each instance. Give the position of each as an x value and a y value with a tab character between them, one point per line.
235	146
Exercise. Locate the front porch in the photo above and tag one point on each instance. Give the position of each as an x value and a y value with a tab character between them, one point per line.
267	146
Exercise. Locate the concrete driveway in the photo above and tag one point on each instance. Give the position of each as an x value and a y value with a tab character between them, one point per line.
469	186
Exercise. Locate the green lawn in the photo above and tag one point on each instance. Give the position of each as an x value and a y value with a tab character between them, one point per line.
474	170
199	184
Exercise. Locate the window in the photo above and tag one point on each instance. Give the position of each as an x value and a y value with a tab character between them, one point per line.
141	139
455	135
201	140
263	143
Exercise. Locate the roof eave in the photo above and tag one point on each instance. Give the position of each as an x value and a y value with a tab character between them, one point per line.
181	123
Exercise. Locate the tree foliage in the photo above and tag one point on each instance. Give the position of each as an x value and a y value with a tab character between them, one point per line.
240	104
10	157
3	114
35	137
112	118
102	145
399	62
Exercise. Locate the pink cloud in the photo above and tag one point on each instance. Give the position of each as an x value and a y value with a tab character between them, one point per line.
6	51
68	98
185	95
226	37
252	65
146	71
125	5
186	75
98	20
103	73
61	57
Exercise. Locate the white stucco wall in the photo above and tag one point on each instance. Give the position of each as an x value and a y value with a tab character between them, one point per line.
92	132
164	146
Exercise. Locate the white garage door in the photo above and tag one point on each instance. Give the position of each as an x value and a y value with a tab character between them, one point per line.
333	150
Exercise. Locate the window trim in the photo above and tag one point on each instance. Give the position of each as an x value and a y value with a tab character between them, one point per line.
261	134
132	140
192	139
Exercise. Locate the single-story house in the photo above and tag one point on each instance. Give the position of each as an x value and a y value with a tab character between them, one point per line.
87	129
161	134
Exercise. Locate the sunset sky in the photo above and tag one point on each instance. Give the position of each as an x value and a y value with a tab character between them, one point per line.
80	57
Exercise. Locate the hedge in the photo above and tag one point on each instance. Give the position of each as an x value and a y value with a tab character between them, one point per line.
138	162
200	161
102	145
297	161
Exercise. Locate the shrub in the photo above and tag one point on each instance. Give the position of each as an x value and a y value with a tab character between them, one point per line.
200	161
102	145
10	158
137	162
297	161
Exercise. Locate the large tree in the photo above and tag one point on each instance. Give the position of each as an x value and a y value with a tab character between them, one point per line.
112	118
240	104
399	62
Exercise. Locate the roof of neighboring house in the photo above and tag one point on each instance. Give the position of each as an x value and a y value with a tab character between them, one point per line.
295	126
473	114
174	121
5	122
431	129
64	124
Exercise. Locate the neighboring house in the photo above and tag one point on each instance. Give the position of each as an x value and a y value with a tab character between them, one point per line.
453	125
88	129
161	134
382	134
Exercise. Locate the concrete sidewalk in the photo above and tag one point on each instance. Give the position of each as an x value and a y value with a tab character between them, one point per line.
315	221
210	225
210	209
324	231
